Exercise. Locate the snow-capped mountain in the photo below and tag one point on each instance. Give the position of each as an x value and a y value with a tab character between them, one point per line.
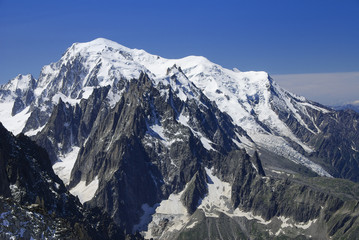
245	96
253	100
163	144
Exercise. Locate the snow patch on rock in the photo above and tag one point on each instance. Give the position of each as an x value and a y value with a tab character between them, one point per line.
65	164
172	210
16	123
85	192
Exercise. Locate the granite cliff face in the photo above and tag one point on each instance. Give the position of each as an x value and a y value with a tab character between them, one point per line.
142	134
186	149
35	203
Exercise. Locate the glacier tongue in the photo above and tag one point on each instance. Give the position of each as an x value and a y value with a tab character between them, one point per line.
279	146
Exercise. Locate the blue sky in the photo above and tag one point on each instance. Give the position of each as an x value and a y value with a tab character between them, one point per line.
280	37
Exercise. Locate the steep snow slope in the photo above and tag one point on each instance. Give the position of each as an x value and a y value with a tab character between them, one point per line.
21	83
15	97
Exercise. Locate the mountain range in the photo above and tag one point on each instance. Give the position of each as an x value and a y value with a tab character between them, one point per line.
353	106
179	148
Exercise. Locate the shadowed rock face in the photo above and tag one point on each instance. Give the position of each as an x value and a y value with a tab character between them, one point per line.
28	171
31	190
336	144
70	126
134	162
4	155
195	192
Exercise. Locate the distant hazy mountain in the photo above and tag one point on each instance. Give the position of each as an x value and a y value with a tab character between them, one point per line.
354	107
186	149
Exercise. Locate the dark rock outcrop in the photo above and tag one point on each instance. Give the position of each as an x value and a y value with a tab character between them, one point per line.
28	181
195	192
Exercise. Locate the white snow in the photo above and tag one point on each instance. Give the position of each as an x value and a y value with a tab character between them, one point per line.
63	167
16	123
64	98
289	223
34	131
218	200
85	192
183	119
87	91
279	146
192	225
115	62
354	149
215	202
234	92
38	91
158	129
21	82
306	225
320	109
171	209
15	191
279	232
279	172
245	143
113	98
172	205
206	143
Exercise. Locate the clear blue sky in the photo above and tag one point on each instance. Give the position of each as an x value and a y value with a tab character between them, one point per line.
280	37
